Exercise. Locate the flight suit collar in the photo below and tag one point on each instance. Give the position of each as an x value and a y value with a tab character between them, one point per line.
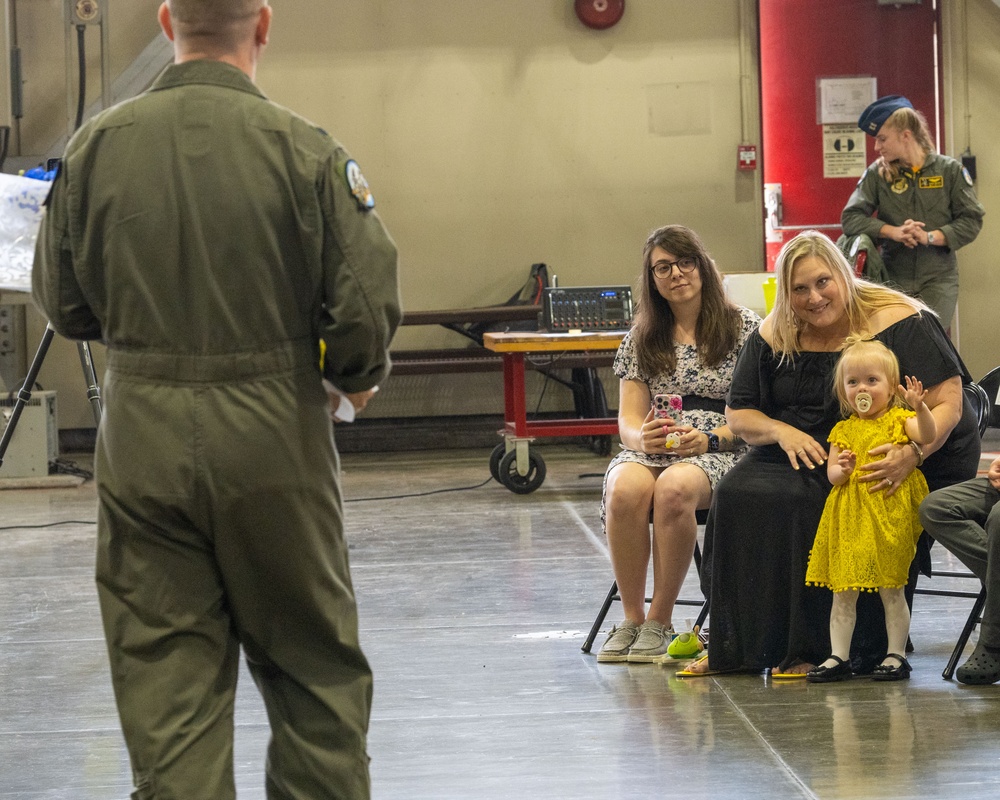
929	166
205	71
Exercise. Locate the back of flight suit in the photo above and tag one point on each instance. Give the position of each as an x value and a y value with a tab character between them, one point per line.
211	239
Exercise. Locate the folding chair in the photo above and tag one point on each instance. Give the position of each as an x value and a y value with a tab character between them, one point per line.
613	596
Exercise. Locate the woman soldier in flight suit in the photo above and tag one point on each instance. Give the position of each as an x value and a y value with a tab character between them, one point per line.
919	203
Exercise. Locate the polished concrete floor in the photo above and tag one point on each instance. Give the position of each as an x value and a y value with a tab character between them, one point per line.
474	603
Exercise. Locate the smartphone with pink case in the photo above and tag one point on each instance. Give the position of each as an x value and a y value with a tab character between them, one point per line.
669	406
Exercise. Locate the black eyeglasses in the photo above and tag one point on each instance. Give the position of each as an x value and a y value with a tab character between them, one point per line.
664	269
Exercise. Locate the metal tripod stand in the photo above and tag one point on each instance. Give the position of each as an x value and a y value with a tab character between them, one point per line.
24	393
78	16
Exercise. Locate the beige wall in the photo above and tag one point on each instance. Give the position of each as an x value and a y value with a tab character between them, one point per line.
972	103
42	34
49	110
498	133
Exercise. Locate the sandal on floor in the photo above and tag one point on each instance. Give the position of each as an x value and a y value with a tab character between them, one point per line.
883	672
982	668
841	671
688	673
782	674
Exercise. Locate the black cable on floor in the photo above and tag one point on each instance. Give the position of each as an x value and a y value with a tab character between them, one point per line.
49	524
62	466
347	500
420	494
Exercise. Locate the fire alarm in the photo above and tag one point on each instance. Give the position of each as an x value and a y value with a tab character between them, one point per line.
746	156
599	14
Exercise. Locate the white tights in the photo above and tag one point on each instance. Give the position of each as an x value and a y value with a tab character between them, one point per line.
844	615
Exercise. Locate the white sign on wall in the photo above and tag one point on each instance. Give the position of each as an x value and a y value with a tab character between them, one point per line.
844	153
841	100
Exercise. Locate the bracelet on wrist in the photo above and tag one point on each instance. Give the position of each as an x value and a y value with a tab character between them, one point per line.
918	450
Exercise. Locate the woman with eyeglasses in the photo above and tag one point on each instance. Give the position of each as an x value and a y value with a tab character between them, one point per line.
683	343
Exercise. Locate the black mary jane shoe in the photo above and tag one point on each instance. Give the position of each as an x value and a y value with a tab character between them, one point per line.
840	671
883	672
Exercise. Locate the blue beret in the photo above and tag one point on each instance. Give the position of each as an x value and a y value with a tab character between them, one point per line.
873	117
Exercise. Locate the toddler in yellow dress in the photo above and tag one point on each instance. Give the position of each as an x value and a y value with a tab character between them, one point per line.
866	540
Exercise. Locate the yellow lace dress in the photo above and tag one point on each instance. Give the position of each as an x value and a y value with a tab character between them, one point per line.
867	540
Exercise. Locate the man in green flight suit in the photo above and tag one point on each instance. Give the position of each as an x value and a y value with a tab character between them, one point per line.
918	204
212	240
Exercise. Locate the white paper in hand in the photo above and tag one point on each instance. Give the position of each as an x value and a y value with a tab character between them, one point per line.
345	411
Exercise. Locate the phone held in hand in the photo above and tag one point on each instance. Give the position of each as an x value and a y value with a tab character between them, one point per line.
669	406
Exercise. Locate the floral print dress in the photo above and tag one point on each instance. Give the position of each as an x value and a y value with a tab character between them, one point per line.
690	377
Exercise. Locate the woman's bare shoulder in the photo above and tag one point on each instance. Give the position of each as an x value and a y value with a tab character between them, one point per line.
886	316
766	329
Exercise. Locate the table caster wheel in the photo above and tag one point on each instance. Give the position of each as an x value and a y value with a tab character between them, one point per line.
498	453
517	483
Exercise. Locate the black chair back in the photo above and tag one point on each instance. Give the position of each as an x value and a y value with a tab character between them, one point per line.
991	385
981	405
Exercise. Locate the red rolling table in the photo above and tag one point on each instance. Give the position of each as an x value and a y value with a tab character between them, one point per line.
513	463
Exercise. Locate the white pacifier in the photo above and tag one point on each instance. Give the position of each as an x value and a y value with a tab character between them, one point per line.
863	401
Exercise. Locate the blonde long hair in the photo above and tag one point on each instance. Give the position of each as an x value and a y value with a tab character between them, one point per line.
905	119
861	298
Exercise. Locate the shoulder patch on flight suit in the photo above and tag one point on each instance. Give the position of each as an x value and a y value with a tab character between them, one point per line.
359	186
931	182
968	177
901	185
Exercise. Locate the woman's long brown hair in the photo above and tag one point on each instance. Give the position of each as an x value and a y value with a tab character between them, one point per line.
719	322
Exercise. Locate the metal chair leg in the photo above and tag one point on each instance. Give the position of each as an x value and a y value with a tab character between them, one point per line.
612	596
970	625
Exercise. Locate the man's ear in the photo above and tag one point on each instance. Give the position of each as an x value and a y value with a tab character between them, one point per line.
166	25
263	25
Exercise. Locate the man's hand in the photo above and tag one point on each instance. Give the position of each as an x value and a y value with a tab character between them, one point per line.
993	473
357	399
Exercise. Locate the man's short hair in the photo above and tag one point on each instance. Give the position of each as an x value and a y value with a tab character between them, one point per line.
219	25
191	12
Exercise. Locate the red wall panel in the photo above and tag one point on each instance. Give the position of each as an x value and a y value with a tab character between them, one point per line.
802	40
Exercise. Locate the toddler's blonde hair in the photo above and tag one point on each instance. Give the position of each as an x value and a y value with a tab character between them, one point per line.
864	349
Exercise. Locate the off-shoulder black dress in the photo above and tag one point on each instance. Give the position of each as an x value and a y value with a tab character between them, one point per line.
764	514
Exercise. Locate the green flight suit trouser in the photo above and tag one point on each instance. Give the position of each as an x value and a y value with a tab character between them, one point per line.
220	525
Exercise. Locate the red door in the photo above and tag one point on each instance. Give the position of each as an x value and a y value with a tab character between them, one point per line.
815	59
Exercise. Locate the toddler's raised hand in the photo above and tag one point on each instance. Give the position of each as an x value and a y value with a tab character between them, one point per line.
913	392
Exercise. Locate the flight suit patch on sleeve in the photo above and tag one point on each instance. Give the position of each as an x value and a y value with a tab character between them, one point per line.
359	186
